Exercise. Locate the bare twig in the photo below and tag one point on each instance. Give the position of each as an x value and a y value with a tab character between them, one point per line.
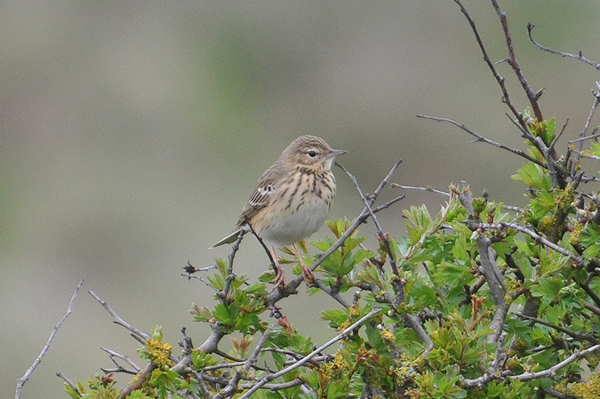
428	188
578	56
234	381
120	369
397	282
494	371
499	79
592	308
415	324
118	320
262	244
480	138
533	97
21	381
230	276
583	133
307	358
332	293
591	137
68	382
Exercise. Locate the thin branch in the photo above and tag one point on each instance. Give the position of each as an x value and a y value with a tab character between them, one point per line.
397	282
538	238
332	293
495	280
493	372
590	137
233	384
120	369
499	79
584	286
479	137
118	320
592	308
262	244
533	97
580	337
578	56
428	188
138	382
414	323
60	375
21	381
583	133
551	372
266	379
230	276
559	135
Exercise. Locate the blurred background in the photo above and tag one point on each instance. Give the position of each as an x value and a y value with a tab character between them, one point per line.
131	134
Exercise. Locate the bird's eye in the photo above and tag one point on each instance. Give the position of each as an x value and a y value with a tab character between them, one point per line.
312	153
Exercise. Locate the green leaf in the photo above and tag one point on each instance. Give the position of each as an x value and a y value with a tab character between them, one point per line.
534	176
225	314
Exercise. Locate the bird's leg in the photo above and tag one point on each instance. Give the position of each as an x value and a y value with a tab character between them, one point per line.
279	280
308	275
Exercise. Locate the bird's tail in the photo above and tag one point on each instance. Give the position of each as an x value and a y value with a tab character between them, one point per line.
228	239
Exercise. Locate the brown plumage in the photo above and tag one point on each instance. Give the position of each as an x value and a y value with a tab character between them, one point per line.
292	198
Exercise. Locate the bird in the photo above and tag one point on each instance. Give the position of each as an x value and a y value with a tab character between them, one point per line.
291	200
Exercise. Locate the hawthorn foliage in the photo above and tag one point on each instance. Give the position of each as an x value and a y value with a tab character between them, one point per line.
478	300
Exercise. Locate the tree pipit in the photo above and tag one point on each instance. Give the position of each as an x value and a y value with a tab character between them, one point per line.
291	199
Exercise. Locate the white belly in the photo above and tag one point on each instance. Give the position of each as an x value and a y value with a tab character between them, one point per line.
296	225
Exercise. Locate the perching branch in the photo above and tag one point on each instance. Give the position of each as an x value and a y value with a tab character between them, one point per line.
291	287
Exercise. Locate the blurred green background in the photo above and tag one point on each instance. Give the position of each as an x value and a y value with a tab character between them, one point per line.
131	134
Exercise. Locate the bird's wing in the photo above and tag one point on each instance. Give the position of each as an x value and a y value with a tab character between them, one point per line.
261	196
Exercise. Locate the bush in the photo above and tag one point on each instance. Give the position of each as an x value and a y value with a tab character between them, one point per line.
479	300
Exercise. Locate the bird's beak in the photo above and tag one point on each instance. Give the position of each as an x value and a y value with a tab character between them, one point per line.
335	153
